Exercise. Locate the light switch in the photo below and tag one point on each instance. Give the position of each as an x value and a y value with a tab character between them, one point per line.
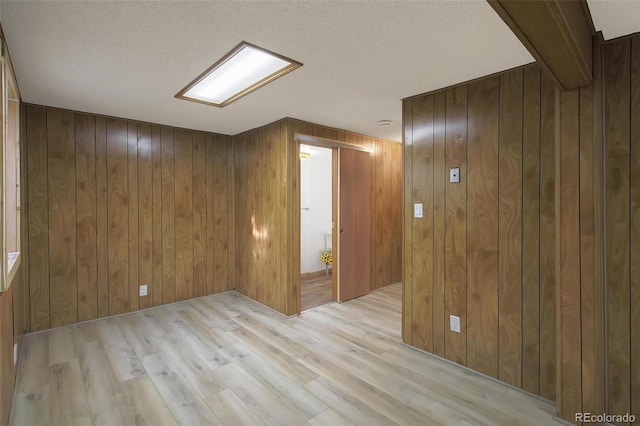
417	210
454	175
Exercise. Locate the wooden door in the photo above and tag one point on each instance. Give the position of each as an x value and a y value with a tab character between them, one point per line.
354	224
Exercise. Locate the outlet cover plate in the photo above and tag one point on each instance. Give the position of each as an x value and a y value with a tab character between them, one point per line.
454	323
417	210
454	175
143	290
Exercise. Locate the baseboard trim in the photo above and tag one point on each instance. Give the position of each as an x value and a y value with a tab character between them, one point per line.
315	274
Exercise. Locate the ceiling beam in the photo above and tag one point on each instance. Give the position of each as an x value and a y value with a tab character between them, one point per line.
558	33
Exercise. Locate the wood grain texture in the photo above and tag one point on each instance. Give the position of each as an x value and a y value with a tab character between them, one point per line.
211	221
86	225
422	291
271	266
134	218
547	241
266	170
531	231
156	191
262	372
396	209
407	237
564	46
116	171
290	198
21	298
102	217
199	216
455	224
63	277
568	232
482	226
37	199
510	229
590	295
439	187
387	214
168	224
635	225
355	226
118	216
145	215
378	206
616	127
184	214
509	154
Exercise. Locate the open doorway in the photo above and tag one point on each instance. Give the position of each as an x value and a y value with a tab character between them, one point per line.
335	223
316	226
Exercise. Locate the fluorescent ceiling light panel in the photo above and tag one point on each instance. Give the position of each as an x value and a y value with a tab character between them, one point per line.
240	72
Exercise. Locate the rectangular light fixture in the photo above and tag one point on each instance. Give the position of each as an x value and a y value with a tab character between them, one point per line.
241	71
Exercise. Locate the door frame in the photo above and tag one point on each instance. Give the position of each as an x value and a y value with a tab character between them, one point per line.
304	139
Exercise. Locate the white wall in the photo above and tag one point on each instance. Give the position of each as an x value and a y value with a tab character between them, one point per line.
315	193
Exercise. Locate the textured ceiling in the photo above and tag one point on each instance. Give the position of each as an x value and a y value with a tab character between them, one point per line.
129	59
615	18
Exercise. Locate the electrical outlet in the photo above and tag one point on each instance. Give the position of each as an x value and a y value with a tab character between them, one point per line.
15	354
143	290
454	175
454	323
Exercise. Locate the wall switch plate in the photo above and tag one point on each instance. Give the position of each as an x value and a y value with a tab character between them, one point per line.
15	354
143	290
417	210
454	323
454	175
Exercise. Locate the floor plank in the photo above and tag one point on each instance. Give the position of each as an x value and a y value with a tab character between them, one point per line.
315	291
225	359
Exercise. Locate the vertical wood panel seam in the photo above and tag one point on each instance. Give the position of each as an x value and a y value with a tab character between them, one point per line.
193	227
498	229
579	248
46	161
630	130
466	228
522	307
539	233
412	225
75	183
631	326
95	154
432	215
444	232
106	166
175	272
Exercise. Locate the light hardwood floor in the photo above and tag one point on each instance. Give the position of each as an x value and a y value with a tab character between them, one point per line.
225	359
315	291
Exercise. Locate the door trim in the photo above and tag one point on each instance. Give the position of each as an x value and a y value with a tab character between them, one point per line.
327	143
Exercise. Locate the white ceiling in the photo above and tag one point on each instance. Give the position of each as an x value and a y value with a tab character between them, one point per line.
615	18
128	59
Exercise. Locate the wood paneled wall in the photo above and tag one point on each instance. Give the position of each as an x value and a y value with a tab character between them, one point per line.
621	88
539	271
114	204
266	220
485	249
599	213
262	228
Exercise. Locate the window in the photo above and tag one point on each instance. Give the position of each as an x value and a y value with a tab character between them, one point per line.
10	177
